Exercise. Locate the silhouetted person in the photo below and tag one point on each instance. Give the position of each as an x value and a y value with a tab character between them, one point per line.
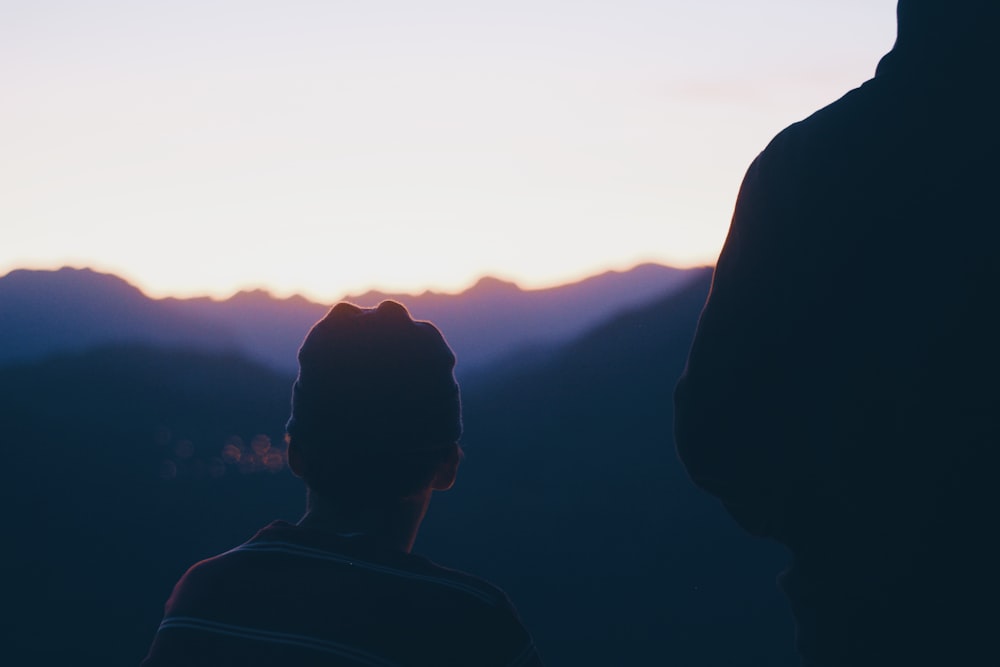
374	431
842	394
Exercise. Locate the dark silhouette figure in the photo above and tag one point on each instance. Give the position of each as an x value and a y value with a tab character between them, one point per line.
842	394
374	429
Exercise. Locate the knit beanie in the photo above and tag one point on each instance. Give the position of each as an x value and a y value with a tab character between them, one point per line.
374	383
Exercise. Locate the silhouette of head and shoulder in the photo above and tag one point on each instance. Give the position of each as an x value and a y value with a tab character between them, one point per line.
374	430
376	418
959	35
840	394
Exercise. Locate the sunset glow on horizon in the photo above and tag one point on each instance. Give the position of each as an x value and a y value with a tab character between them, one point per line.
199	148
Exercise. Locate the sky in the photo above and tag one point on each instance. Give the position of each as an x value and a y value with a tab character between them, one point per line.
325	147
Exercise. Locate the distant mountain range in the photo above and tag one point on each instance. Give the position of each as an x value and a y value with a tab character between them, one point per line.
126	463
47	312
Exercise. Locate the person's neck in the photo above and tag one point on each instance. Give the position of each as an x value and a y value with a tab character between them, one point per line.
394	524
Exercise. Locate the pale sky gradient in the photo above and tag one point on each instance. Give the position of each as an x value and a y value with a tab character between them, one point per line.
327	146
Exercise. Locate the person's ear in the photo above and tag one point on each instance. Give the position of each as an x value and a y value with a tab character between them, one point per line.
447	470
295	463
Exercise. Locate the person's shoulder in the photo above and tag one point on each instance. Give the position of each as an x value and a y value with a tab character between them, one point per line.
853	138
211	578
490	630
475	586
385	568
863	110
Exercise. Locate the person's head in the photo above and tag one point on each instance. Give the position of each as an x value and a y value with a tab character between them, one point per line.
947	28
376	414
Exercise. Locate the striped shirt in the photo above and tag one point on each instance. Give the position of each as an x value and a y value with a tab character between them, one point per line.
302	596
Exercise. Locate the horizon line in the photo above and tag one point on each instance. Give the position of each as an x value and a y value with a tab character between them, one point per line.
308	295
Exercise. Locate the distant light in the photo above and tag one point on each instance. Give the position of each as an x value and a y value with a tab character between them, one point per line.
274	461
168	470
233	450
260	444
231	453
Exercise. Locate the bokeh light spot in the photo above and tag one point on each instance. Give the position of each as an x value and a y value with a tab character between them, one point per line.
168	470
274	461
260	444
231	453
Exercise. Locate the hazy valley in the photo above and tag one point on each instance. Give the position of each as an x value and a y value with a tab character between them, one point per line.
140	436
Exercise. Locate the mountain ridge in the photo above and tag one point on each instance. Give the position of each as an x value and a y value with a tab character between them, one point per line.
72	309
